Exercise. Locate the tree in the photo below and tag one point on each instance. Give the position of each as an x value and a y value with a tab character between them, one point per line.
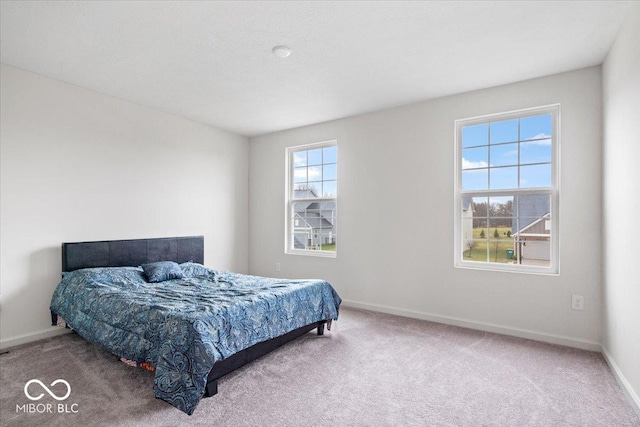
482	235
496	235
508	233
480	215
469	244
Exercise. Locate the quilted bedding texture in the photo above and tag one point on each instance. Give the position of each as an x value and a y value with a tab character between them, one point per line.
183	326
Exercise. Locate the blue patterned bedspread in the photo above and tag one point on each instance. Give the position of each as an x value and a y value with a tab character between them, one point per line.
183	326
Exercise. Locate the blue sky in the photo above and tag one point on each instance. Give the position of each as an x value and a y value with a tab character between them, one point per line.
318	169
491	152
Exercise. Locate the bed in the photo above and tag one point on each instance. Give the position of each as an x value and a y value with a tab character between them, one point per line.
192	329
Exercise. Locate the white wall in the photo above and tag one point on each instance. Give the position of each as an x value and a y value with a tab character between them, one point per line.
621	287
395	214
78	165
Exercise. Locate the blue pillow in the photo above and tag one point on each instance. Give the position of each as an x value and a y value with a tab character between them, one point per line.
193	269
162	270
109	275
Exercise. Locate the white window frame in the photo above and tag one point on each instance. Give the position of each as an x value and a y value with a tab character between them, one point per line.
290	200
553	191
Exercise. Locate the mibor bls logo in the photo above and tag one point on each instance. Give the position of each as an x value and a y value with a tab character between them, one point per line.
30	391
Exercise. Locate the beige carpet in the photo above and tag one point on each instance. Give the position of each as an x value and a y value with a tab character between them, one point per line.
376	369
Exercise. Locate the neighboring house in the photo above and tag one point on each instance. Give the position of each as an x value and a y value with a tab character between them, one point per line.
467	222
313	222
534	235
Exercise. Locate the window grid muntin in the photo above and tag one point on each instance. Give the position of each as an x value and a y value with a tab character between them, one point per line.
516	217
519	143
552	190
309	165
290	227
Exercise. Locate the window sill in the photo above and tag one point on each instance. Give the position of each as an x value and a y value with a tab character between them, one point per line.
509	268
319	254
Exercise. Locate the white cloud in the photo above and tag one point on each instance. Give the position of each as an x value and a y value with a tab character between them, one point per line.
299	159
467	164
540	141
315	174
311	174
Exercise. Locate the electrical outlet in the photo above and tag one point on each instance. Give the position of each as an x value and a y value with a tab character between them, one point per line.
277	266
577	302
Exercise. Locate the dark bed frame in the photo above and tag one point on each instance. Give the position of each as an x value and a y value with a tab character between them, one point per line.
133	253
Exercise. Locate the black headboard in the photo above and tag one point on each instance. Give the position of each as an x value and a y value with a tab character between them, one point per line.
124	253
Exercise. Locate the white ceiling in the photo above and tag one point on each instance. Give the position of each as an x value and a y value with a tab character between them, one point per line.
212	61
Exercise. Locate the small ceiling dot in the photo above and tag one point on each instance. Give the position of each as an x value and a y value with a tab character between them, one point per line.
281	51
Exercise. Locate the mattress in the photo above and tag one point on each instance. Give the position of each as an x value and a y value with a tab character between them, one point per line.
183	326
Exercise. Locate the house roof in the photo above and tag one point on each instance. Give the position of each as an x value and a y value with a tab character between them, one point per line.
314	206
315	220
530	209
523	231
467	202
304	193
315	214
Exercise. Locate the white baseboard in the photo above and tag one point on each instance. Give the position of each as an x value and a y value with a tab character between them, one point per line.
624	384
482	326
53	331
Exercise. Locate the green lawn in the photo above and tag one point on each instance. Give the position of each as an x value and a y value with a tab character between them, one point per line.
479	251
331	248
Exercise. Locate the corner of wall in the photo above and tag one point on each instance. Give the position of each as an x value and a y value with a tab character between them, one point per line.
622	380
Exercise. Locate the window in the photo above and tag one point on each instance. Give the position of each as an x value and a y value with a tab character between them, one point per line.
506	191
312	189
